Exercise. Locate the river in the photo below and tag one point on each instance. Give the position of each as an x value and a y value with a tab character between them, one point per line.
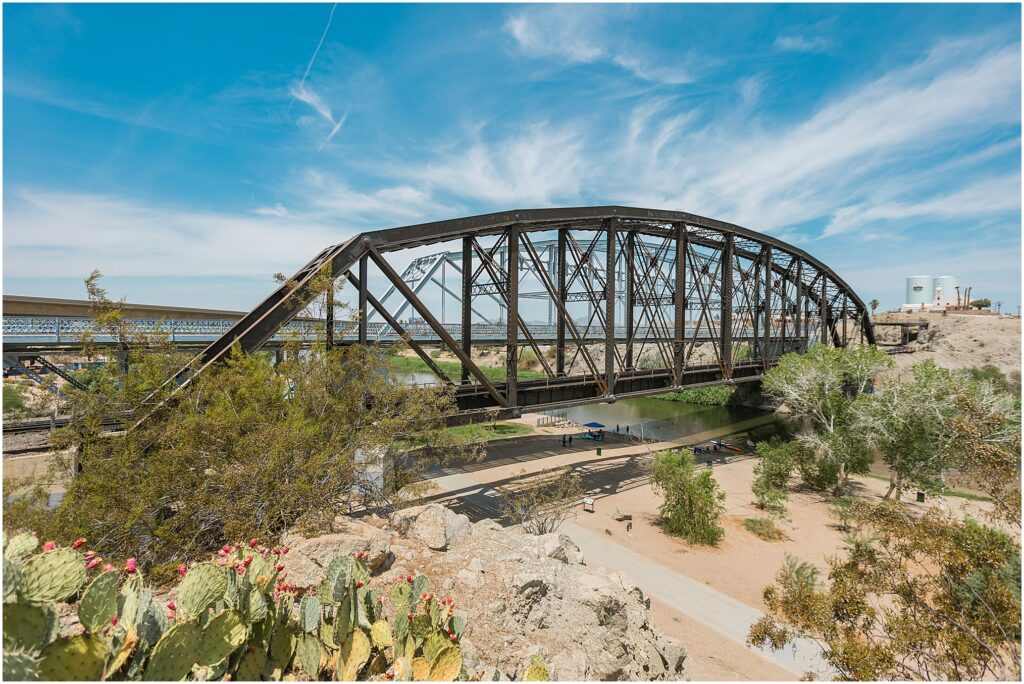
647	417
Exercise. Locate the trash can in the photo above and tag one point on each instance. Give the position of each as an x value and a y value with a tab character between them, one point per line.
598	451
920	497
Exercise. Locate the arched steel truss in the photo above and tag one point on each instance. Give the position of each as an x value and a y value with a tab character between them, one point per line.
747	299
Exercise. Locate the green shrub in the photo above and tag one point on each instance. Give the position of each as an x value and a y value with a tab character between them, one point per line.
715	395
765	528
772	473
233	618
246	449
14	401
692	506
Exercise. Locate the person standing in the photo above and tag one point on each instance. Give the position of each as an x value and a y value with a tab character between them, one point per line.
570	440
563	440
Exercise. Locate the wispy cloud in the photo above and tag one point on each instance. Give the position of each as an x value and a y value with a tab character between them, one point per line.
580	35
306	94
992	196
131	238
802	43
541	164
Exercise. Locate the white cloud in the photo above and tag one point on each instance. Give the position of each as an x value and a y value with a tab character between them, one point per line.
128	238
800	43
580	35
540	165
988	197
304	93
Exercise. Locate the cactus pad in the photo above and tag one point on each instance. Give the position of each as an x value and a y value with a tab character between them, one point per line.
309	655
458	624
420	586
434	644
175	653
26	627
447	665
401	596
282	647
12	580
222	636
99	602
536	671
20	545
354	654
250	667
203	586
256	607
420	669
131	640
420	626
401	624
52	577
77	658
309	613
20	667
380	632
402	669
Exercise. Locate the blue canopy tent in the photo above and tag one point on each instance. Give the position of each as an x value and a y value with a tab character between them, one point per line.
593	425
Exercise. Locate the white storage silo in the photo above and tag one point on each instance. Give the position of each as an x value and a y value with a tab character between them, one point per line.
920	290
945	290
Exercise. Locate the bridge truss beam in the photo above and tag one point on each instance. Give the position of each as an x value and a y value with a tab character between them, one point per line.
637	301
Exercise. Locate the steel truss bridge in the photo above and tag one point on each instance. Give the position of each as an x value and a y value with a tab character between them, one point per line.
709	302
632	301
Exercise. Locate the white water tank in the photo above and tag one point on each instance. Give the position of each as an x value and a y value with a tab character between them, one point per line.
920	290
945	290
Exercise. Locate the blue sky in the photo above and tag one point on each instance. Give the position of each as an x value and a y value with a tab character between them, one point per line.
191	151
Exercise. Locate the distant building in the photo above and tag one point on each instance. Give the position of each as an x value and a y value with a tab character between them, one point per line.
927	293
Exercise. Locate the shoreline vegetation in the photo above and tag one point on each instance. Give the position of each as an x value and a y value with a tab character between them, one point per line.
716	395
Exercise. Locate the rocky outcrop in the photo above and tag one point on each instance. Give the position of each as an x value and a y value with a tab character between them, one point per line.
434	525
524	596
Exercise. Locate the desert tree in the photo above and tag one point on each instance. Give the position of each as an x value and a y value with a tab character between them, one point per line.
820	388
692	505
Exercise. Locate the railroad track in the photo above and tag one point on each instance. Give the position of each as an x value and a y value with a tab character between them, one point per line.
45	424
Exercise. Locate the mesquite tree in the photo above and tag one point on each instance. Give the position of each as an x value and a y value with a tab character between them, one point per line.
248	448
921	596
821	388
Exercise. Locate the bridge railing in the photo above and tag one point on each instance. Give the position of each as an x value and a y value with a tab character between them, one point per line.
68	330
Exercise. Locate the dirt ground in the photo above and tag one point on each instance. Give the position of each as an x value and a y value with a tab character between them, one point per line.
741	566
961	341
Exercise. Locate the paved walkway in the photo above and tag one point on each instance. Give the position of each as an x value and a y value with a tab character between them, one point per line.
719	612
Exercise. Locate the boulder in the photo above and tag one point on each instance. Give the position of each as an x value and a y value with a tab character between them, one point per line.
621	515
307	559
434	525
560	547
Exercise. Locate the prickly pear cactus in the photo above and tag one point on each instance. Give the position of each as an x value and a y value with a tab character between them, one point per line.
309	613
353	655
20	546
447	665
175	654
12	580
27	627
52	576
77	658
309	655
99	602
203	585
20	666
536	671
221	637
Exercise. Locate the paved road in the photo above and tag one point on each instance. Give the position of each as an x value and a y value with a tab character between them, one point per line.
719	612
